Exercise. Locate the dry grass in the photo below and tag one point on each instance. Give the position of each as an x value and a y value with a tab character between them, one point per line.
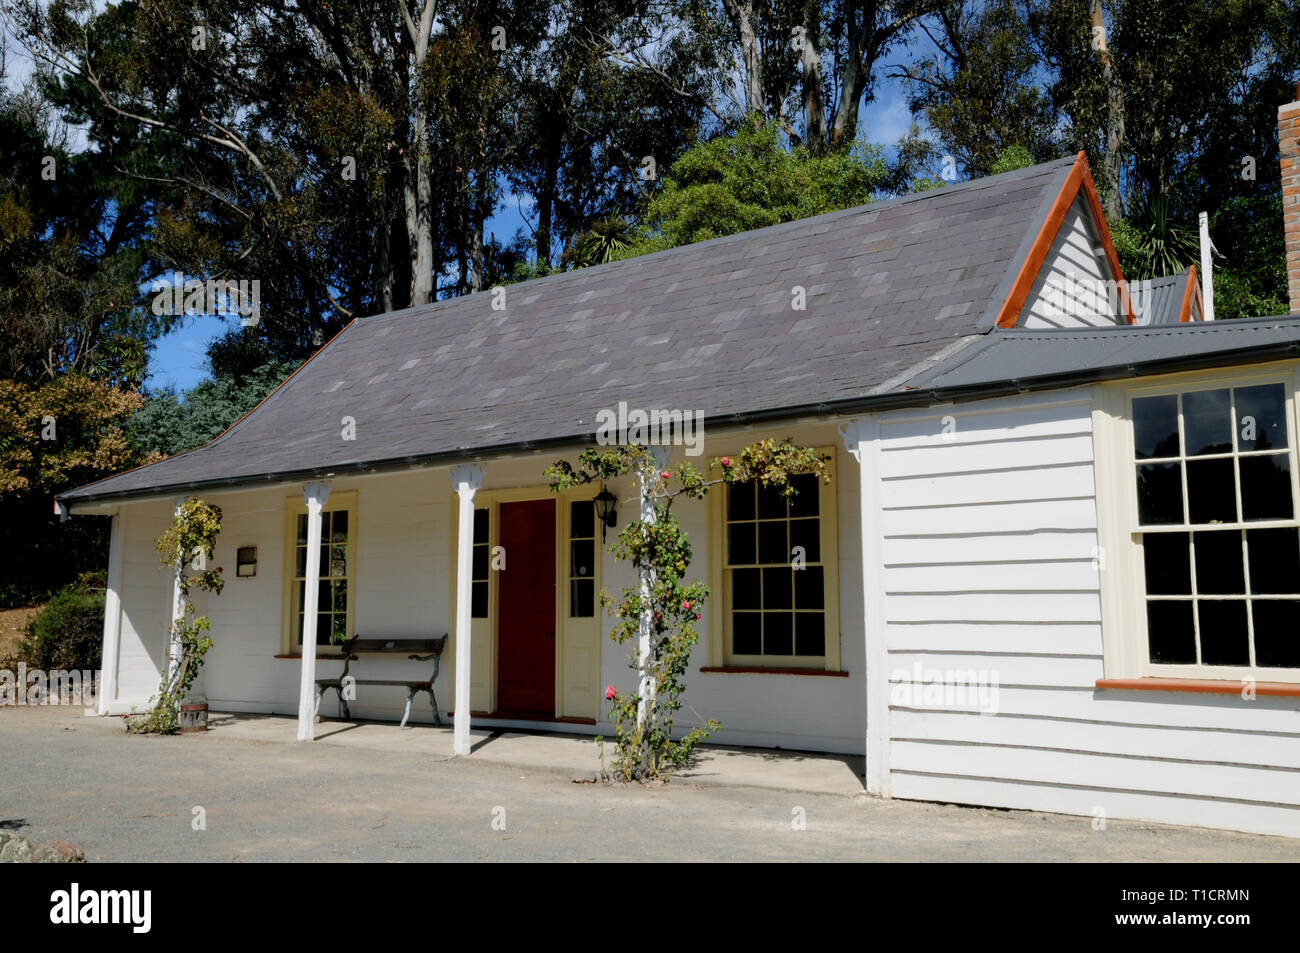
13	628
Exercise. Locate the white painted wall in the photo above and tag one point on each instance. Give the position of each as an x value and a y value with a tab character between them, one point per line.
990	537
1070	260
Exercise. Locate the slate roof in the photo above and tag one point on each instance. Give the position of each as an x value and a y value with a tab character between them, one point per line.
704	327
1021	359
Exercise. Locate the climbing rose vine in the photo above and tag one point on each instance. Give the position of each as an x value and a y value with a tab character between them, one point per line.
657	617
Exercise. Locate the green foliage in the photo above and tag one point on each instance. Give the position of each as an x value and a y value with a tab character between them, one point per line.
1151	244
193	531
1011	158
68	633
663	607
1250	278
749	180
170	424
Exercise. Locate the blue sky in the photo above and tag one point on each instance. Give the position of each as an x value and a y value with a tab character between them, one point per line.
178	358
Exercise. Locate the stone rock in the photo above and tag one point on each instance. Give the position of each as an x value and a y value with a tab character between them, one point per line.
16	849
58	852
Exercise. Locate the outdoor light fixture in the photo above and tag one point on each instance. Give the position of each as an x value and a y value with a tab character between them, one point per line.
606	510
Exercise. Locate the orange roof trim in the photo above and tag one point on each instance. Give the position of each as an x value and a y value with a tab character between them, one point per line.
1080	178
1192	290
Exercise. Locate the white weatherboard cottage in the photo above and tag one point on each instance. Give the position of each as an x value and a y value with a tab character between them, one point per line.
1057	567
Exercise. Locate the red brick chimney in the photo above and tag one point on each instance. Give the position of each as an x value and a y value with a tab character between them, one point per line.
1288	134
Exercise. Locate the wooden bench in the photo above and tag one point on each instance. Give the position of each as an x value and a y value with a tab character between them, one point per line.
422	650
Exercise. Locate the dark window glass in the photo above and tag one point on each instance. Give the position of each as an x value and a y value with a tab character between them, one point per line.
778	633
1171	635
1261	417
804	502
809	633
478	601
740	544
481	526
1266	487
582	519
582	557
806	533
747	633
479	559
324	626
1207	422
740	501
302	529
1168	564
1155	427
745	592
1277	633
777	588
1160	493
771	504
1211	491
340	600
809	588
1219	564
338	526
1224	637
772	545
300	562
582	598
1274	560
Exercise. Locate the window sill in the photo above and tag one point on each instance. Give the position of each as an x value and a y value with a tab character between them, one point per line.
756	670
1205	686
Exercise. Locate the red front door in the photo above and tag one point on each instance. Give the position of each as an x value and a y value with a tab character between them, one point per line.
526	604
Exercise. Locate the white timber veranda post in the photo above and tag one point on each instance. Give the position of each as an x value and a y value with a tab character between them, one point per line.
315	495
465	480
647	690
1207	268
106	691
178	609
862	439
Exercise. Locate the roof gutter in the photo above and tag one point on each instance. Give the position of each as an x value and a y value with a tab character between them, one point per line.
895	400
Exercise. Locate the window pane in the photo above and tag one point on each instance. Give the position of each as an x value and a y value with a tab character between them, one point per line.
809	588
807	533
339	526
1219	567
1274	561
1266	487
1168	564
582	598
1211	491
772	546
805	502
1171	637
777	588
740	501
771	504
324	595
809	633
582	557
324	627
302	529
745	593
298	634
1224	638
338	564
746	633
582	519
481	526
300	562
479	562
1160	493
740	544
339	600
478	600
778	633
1155	427
1277	633
1207	422
1261	417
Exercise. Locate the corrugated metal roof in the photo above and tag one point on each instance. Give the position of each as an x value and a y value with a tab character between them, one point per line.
1159	301
704	327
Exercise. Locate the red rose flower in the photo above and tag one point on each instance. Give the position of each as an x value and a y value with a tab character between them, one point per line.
609	692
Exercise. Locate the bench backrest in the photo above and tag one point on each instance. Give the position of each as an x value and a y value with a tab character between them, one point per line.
396	645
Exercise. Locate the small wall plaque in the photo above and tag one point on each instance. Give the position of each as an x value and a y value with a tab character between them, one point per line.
246	561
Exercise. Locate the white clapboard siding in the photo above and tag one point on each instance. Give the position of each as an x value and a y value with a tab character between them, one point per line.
988	568
1072	258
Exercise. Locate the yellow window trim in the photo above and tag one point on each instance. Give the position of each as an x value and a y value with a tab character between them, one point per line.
719	616
1122	569
339	501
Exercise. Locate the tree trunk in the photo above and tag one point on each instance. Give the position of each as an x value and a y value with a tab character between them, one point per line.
814	105
741	14
1114	163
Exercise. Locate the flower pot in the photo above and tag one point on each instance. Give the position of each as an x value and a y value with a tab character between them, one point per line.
194	717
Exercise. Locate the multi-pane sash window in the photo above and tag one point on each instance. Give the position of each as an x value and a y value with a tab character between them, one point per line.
332	586
775	573
1217	519
582	559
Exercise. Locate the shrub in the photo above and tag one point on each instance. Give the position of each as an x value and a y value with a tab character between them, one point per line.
68	632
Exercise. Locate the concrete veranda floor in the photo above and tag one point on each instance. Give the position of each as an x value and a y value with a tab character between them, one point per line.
370	793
